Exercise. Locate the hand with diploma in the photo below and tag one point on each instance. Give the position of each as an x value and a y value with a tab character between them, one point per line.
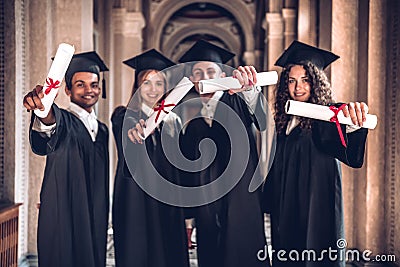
33	101
136	134
354	114
237	81
247	77
357	111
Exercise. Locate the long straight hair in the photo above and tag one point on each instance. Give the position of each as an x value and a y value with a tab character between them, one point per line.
135	100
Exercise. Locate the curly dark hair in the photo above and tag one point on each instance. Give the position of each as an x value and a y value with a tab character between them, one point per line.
321	94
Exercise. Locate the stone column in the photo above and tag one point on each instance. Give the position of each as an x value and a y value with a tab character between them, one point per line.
273	43
42	44
392	179
127	40
259	60
377	44
69	21
249	58
274	37
289	17
344	84
307	31
274	6
14	154
274	46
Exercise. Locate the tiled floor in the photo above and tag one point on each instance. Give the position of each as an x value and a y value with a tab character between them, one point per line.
192	252
110	252
31	260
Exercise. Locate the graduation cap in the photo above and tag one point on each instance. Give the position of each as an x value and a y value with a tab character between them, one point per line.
149	60
205	51
86	62
298	53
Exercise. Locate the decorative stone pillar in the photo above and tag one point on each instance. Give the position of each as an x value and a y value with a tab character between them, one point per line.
274	37
307	30
127	40
14	140
274	6
249	58
344	84
375	219
325	24
41	38
392	179
289	17
273	43
70	21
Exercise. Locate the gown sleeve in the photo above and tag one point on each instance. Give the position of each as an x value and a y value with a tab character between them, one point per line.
117	119
41	144
327	139
258	116
130	151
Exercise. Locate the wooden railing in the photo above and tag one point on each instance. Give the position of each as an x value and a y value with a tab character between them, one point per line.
9	234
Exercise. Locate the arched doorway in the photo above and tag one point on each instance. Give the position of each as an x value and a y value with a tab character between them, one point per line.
174	27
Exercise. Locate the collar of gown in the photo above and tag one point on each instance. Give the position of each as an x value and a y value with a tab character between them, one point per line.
88	119
80	112
209	107
147	110
294	121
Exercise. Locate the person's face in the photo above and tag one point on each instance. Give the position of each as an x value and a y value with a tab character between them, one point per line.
152	88
85	90
205	70
299	84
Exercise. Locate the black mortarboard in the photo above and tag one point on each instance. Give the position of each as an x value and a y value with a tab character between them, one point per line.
149	60
298	53
86	62
205	51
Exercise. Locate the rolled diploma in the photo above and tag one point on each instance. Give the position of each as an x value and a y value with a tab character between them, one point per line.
176	94
323	113
226	83
55	76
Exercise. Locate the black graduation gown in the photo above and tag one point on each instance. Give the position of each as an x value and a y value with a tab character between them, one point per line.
230	230
303	191
147	233
74	199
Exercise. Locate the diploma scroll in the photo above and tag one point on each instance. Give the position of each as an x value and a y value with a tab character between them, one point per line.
222	84
175	95
324	113
55	76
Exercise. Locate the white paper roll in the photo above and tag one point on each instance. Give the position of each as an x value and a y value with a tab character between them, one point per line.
55	76
175	95
320	112
222	84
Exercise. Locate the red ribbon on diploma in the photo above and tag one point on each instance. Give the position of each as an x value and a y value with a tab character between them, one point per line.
51	85
161	108
336	121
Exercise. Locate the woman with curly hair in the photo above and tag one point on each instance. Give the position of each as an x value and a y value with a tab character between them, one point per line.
303	189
